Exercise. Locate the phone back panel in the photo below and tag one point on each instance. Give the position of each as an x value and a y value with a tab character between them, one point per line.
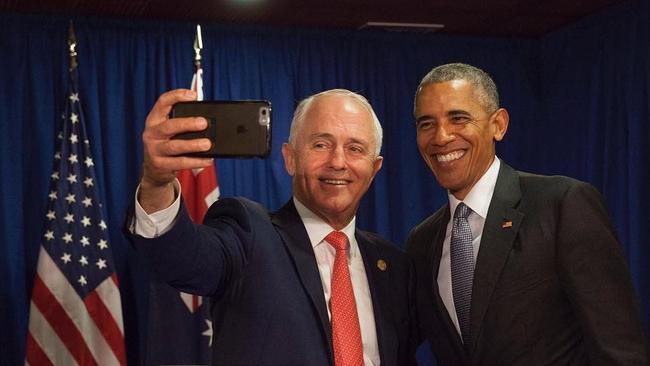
237	128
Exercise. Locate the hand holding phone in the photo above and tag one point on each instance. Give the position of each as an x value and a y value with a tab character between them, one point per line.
236	128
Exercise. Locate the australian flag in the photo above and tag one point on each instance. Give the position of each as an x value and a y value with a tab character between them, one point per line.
180	327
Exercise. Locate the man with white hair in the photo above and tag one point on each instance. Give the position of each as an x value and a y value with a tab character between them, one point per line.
299	286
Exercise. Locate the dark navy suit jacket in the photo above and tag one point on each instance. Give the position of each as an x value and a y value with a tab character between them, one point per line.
551	286
268	306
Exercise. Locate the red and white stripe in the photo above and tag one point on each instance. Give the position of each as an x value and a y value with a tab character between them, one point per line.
67	330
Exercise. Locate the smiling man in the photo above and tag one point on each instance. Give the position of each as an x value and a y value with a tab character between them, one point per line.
299	286
518	269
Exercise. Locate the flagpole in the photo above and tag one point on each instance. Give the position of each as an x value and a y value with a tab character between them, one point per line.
197	79
198	46
72	47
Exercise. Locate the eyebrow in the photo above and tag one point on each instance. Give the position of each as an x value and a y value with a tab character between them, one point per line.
423	118
453	112
331	137
456	112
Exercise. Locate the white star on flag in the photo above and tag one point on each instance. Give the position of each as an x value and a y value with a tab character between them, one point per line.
102	244
85	221
66	258
101	263
49	235
208	332
67	237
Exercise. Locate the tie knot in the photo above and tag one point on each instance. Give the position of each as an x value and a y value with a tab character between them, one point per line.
338	240
462	210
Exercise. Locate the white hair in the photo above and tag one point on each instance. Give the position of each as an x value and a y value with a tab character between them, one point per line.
305	105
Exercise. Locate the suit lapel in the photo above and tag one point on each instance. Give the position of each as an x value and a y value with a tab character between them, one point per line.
296	240
499	233
380	291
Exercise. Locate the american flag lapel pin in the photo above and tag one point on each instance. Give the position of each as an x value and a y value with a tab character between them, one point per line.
506	224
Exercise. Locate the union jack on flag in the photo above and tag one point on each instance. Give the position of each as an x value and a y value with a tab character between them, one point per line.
75	310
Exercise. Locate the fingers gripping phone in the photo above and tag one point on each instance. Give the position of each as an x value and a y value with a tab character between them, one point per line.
236	128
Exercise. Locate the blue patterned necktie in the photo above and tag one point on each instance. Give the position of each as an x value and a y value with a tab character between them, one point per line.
462	268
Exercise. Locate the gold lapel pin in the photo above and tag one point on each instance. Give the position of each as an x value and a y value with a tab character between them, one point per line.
382	265
506	224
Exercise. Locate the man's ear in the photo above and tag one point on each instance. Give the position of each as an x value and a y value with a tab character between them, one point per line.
289	161
500	124
376	165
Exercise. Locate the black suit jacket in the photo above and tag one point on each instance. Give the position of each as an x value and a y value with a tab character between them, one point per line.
268	305
551	286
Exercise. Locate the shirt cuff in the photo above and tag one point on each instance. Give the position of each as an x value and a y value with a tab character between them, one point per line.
159	222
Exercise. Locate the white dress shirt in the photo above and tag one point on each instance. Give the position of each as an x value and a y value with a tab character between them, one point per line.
158	223
478	200
317	230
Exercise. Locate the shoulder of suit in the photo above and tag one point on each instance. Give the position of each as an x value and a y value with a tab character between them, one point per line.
433	220
236	207
541	185
378	241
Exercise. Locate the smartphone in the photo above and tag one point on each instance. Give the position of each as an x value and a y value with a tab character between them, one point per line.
236	128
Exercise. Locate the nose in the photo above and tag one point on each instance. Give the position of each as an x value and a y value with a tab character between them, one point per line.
337	158
443	134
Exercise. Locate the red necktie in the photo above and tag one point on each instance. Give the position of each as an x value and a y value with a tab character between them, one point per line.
346	332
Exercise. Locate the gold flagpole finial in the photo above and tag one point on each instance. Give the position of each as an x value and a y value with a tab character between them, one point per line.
198	45
72	47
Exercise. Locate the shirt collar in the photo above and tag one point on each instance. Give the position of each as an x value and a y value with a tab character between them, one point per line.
479	197
317	229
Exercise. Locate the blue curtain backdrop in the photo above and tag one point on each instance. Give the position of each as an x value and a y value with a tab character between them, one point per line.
579	101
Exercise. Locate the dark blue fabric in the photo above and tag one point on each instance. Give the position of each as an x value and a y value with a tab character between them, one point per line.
579	102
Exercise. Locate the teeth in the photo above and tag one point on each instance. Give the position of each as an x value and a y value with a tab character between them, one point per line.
335	181
451	156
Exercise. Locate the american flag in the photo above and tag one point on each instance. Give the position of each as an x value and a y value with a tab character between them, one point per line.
180	329
75	310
